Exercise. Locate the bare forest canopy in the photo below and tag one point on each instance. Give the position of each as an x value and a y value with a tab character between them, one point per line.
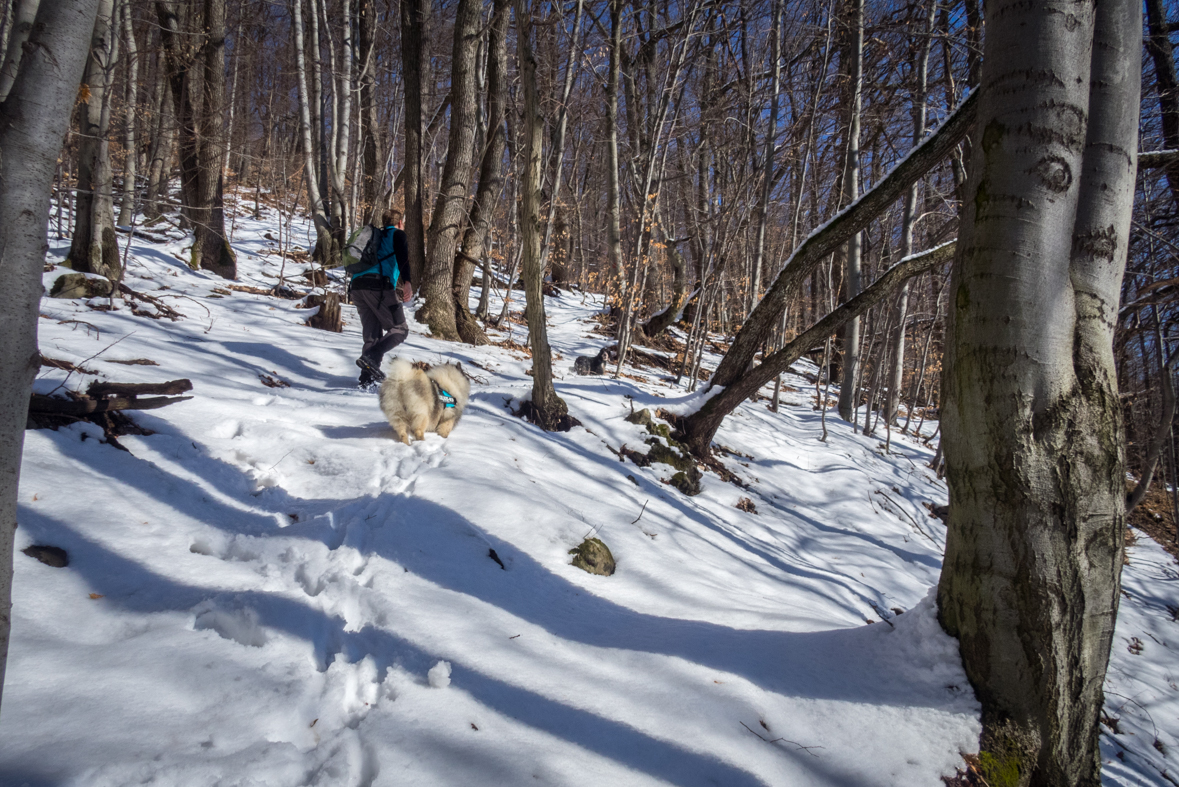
686	149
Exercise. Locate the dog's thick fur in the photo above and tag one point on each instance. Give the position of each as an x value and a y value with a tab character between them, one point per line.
410	399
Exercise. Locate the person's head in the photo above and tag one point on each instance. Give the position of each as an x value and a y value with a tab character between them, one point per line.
391	218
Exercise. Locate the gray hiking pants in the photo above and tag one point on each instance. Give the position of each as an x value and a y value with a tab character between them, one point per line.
382	321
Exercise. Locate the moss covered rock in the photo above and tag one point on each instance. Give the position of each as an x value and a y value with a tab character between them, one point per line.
687	482
593	556
670	456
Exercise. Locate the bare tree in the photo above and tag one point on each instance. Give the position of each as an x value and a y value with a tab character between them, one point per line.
1031	418
94	248
130	131
920	77
491	182
33	122
323	233
849	384
450	208
548	409
699	428
210	248
415	26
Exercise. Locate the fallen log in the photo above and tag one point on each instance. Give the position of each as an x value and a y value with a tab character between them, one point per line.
170	388
48	405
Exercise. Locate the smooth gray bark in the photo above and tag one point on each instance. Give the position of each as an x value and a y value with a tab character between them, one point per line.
33	123
310	173
130	132
1031	420
613	207
849	383
558	153
371	191
342	125
23	15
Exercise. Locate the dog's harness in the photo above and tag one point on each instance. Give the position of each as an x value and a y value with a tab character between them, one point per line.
444	396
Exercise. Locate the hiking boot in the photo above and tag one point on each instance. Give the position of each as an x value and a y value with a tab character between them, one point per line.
373	368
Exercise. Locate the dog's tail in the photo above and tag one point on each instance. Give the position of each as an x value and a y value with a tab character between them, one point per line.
400	370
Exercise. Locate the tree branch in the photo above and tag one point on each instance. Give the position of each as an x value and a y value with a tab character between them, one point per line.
830	236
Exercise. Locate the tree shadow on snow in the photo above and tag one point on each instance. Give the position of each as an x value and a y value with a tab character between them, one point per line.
437	544
137	588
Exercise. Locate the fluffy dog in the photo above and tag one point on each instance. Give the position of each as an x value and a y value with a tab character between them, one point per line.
416	402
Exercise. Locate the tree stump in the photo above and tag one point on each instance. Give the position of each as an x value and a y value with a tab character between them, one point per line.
327	318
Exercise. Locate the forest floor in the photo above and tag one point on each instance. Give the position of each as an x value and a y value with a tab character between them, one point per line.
269	589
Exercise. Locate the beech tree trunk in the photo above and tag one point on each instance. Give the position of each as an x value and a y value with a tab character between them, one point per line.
323	230
371	191
767	163
1031	420
162	147
341	126
613	208
33	123
849	384
23	15
130	138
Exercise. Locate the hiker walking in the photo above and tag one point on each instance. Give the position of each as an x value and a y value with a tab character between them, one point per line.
380	257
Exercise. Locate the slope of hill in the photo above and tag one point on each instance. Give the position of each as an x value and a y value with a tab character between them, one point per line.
268	589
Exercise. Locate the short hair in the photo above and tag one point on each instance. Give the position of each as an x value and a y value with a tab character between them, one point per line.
391	217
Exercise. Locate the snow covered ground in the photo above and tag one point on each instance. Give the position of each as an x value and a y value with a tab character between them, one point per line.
270	590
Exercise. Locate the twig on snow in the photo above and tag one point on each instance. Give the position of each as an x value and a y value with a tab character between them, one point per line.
807	749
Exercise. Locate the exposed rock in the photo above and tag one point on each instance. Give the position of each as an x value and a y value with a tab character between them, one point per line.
50	556
640	417
79	285
593	556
